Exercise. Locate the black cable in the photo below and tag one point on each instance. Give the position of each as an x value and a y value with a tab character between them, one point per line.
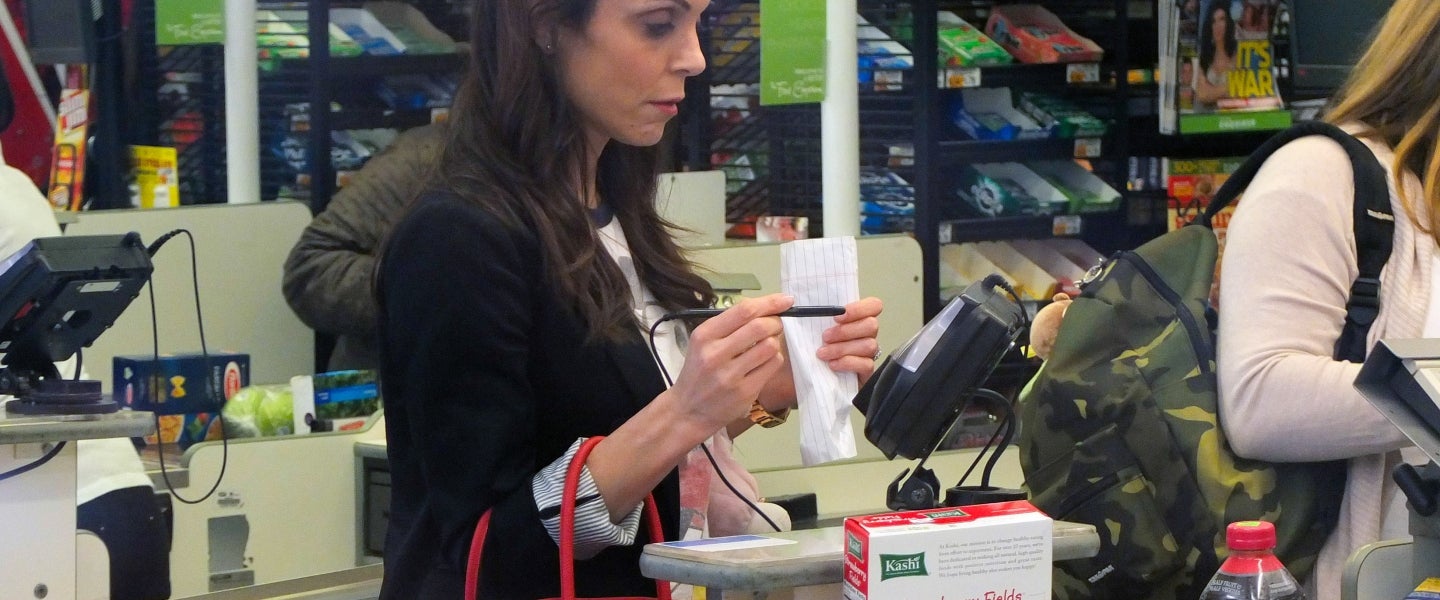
1009	424
670	382
205	358
996	280
16	472
1006	424
79	363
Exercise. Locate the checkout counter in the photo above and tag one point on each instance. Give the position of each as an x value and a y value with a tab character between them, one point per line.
51	559
814	561
312	508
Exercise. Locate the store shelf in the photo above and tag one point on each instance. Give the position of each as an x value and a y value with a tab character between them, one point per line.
1032	227
953	152
1034	76
378	118
1147	141
347	68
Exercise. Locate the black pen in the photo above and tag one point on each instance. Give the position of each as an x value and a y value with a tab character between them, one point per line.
794	311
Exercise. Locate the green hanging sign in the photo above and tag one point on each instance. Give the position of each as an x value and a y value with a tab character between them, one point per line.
189	22
792	51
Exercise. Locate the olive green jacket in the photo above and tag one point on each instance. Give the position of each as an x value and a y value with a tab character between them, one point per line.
330	272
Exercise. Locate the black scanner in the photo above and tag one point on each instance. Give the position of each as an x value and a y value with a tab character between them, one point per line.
917	393
57	295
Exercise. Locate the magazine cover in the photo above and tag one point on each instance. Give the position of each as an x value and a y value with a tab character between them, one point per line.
1191	184
1225	68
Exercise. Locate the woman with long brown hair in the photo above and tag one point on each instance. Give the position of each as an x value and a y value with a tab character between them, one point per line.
1289	262
514	294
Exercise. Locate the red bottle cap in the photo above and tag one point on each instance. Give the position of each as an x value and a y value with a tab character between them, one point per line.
1250	535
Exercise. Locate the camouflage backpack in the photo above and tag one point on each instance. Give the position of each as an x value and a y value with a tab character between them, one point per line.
1119	426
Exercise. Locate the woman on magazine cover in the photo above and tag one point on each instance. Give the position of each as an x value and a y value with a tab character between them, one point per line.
1218	46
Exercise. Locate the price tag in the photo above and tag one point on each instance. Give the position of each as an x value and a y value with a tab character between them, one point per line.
960	77
1065	225
947	233
1082	73
1087	147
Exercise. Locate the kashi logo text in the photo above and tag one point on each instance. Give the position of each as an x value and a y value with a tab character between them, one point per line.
902	565
854	546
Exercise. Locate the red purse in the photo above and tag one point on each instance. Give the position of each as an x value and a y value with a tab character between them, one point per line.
567	535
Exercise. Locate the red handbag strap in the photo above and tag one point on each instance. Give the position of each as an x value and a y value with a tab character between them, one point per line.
472	567
567	523
567	532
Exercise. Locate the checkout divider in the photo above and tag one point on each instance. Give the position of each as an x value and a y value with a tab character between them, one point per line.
287	508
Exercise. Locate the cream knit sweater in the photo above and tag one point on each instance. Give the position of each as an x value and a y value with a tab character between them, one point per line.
1288	264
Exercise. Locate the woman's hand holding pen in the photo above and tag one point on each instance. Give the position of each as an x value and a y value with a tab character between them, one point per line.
731	358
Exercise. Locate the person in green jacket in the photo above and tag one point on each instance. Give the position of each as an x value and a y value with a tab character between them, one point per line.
330	271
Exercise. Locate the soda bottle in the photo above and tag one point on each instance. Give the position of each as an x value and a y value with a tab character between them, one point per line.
1252	572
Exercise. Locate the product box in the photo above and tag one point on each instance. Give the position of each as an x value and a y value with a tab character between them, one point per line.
990	114
1031	282
413	91
1035	35
180	383
1087	192
1007	190
280	34
962	265
335	401
186	430
1000	551
882	61
887	202
366	30
1063	119
963	45
410	26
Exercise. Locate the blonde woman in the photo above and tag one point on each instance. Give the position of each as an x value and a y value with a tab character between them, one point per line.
1288	265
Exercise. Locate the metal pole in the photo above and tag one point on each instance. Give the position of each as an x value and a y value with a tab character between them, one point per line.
840	123
242	103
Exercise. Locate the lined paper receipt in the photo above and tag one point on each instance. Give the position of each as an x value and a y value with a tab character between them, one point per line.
815	272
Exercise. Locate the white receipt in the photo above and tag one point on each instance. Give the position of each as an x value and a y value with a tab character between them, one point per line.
815	272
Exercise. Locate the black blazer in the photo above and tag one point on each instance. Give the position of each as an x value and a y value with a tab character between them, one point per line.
486	379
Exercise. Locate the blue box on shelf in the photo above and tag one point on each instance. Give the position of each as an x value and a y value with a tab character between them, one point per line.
179	383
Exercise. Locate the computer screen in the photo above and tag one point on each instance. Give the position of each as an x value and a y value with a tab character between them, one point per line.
1327	37
58	294
60	31
1401	377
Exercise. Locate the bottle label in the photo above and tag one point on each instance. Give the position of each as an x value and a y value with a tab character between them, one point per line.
1249	586
1251	579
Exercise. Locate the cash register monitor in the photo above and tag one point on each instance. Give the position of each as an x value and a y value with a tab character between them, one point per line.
57	295
1401	377
918	392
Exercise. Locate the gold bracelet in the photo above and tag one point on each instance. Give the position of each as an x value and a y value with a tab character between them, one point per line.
765	418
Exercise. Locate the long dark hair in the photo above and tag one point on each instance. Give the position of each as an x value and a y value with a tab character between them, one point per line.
1207	31
516	148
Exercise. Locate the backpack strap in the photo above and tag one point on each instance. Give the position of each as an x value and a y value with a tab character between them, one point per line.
1374	224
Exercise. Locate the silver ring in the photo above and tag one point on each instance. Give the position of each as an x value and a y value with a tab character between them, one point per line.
877	354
